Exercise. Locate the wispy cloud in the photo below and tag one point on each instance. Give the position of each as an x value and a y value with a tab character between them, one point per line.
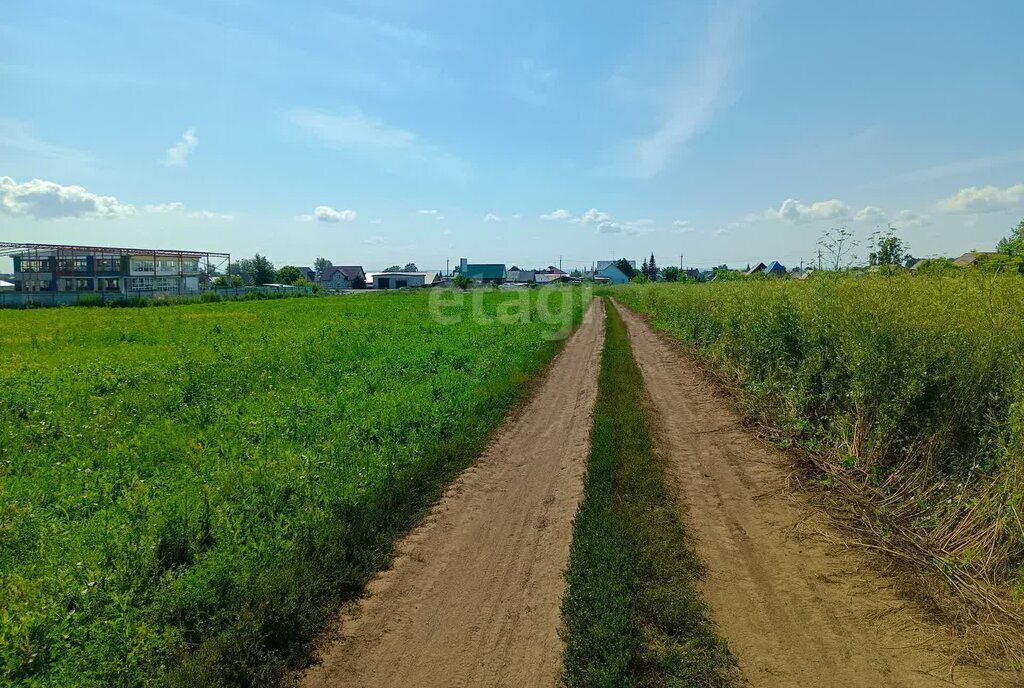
178	154
393	148
16	135
529	81
698	92
683	227
177	207
434	213
959	168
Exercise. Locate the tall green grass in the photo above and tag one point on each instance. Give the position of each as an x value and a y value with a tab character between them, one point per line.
633	616
913	385
188	493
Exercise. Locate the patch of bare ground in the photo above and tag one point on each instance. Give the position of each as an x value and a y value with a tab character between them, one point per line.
797	604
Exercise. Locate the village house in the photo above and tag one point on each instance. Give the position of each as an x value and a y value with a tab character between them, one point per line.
343	277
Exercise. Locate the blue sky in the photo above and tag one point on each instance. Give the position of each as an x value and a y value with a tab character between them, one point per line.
387	131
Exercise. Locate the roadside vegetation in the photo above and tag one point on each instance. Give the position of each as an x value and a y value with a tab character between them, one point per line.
188	493
633	615
907	390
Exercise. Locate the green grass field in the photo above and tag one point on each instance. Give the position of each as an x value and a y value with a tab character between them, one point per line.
187	493
633	614
911	385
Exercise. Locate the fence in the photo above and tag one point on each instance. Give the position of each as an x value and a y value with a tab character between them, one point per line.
23	299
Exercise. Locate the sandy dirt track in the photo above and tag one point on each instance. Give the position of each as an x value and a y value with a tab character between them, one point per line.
474	595
795	609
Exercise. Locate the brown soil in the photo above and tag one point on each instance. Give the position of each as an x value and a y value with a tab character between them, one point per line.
474	595
796	608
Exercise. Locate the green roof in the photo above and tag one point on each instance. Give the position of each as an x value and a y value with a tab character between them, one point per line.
485	271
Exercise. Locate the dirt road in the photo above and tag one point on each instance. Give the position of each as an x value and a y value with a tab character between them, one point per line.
796	610
474	596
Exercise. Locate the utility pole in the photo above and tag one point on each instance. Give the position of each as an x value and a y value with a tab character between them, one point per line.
680	261
447	266
559	263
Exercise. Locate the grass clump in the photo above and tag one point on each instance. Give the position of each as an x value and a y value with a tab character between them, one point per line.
632	614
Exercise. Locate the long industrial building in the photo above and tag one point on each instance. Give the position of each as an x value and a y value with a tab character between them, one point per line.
50	268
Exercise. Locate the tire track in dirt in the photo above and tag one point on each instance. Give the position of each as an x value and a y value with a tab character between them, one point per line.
474	595
796	609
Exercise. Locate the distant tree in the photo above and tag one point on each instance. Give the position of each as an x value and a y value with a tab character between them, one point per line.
393	268
411	267
627	269
644	270
670	274
359	282
461	282
639	278
576	273
888	250
228	281
288	274
320	265
1013	245
652	269
515	267
262	270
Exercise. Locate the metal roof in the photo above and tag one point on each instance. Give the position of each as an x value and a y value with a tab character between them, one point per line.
485	271
8	248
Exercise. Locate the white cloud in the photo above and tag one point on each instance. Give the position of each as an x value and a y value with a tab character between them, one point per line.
436	214
395	149
491	217
178	154
374	240
695	104
592	217
984	199
325	213
869	213
907	219
683	226
560	214
793	210
44	200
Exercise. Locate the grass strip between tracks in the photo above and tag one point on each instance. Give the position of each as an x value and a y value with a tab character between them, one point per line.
632	612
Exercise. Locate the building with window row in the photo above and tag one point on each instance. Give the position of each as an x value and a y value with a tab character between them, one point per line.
62	268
